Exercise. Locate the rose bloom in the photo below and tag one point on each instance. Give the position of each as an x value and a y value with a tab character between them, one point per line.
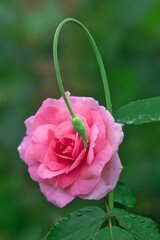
55	154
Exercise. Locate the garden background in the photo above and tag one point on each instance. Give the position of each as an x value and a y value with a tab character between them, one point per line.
127	33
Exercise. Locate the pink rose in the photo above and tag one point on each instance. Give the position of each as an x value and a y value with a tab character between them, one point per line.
55	153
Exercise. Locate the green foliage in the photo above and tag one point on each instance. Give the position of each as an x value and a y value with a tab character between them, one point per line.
141	228
115	234
80	225
139	112
124	195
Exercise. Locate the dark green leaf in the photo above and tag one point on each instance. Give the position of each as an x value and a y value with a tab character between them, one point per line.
117	234
81	225
141	228
139	112
124	196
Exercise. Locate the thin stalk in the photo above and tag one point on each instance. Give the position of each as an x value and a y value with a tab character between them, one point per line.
99	60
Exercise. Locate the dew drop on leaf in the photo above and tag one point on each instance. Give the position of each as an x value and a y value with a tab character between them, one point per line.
79	213
142	220
56	224
66	219
148	225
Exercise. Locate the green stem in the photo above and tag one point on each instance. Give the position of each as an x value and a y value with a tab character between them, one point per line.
98	56
102	70
111	205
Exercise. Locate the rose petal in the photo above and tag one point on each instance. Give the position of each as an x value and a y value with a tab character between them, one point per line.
28	157
40	141
77	162
78	147
115	133
66	179
53	162
45	172
64	129
28	123
82	186
95	169
23	146
94	134
102	132
33	171
45	116
108	181
57	196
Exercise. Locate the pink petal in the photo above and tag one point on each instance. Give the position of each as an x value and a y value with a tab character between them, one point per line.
78	147
115	133
57	196
45	116
23	146
108	181
29	128
111	171
83	111
64	129
66	179
86	101
82	186
40	141
102	133
77	162
45	172
95	169
63	116
90	155
53	162
33	170
28	157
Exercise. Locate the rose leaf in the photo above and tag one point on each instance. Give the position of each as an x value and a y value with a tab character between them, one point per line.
140	227
139	112
82	224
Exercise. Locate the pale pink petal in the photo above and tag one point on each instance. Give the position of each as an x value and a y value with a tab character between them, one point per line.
28	157
78	147
115	133
33	171
28	123
82	186
66	179
83	111
23	146
108	181
63	116
95	169
60	103
99	191
64	129
111	171
45	172
53	162
77	162
40	141
90	155
45	116
102	132
57	196
86	101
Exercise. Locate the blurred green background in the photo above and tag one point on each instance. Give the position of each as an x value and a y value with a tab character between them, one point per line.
127	33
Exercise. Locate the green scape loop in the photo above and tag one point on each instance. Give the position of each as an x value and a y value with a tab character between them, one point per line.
80	128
